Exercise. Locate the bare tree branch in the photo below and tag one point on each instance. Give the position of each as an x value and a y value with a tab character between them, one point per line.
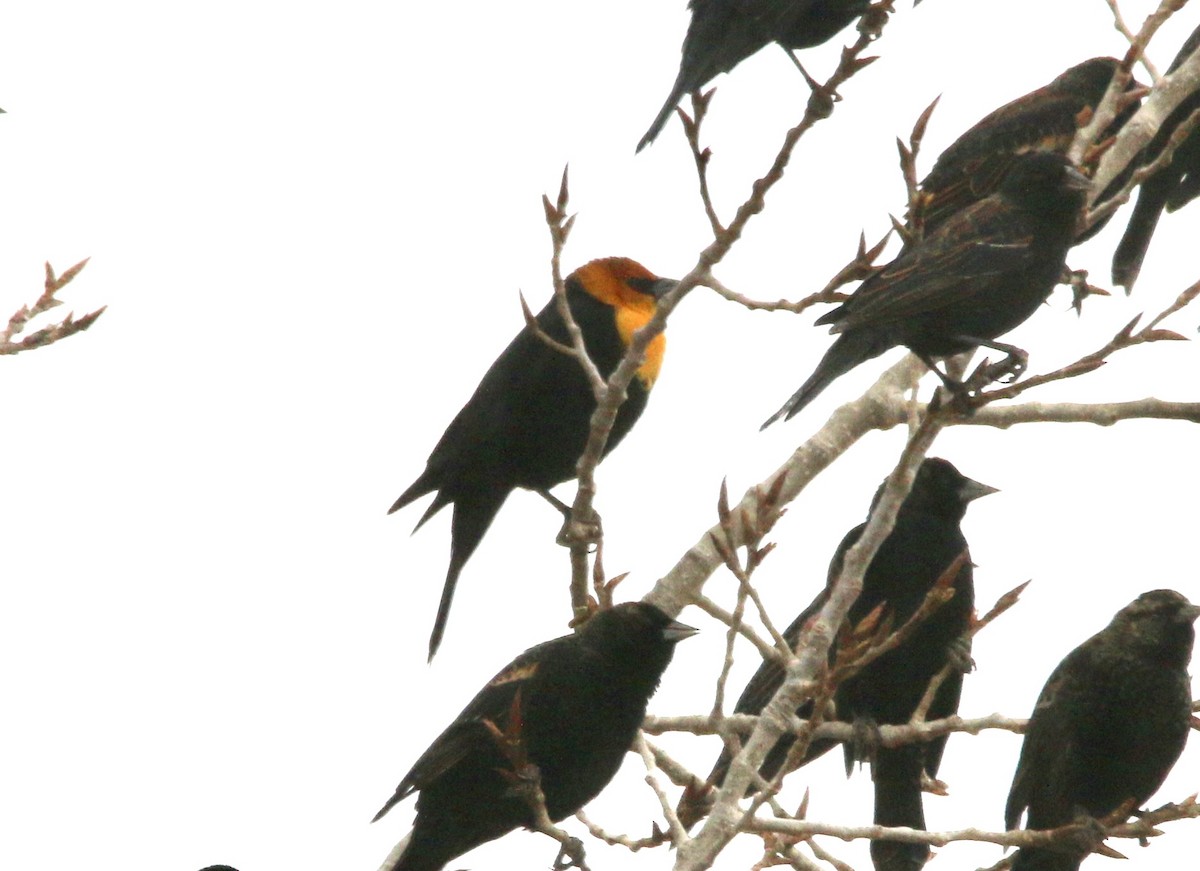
68	326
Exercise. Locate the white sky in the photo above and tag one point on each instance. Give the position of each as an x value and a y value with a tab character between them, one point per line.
310	223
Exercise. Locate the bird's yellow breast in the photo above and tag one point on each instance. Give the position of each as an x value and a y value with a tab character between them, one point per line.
630	319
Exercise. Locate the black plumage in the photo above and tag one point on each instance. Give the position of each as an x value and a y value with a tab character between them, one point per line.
1109	724
580	700
528	421
1046	119
723	33
1172	187
923	544
981	273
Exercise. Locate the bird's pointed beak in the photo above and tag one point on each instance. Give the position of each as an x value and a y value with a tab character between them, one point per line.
676	631
972	490
1191	612
1076	180
663	286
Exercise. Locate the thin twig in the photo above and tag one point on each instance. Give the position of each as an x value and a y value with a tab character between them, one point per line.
68	326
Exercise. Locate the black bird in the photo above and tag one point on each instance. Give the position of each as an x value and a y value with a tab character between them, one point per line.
528	420
1173	187
723	33
1109	724
925	541
1046	119
578	701
981	273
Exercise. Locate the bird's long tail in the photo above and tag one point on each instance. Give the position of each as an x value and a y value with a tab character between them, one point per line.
850	349
897	774
1029	859
1127	261
472	517
664	114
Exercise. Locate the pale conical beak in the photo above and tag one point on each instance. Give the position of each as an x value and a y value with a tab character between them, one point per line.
663	286
676	631
1076	180
972	490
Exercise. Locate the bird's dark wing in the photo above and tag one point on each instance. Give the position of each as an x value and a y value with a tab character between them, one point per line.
494	703
769	677
499	400
1048	750
949	267
971	178
1042	120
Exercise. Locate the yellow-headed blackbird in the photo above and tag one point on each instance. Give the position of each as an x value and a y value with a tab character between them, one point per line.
723	33
527	422
1046	119
573	705
1109	724
978	275
1173	187
923	544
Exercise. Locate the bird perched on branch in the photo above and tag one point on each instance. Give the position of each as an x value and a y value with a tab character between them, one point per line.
979	274
723	33
923	545
1172	187
1109	724
1046	119
561	715
527	423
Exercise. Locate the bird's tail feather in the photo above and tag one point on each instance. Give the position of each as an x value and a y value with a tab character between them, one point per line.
897	774
1127	261
472	517
416	490
1045	860
664	114
850	349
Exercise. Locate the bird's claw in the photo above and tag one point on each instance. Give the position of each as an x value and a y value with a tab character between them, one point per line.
1009	369
589	532
958	655
865	741
872	22
961	394
570	855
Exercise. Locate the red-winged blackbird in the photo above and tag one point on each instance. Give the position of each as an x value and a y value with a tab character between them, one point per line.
923	544
723	33
973	166
981	273
1109	724
573	705
1174	186
528	420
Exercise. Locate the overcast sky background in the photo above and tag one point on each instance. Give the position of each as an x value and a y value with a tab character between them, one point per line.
309	223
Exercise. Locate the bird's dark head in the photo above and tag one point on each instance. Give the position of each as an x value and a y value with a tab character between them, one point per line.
940	489
634	626
1160	606
1088	80
622	283
1161	619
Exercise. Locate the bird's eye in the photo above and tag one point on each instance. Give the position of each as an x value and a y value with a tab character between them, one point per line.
642	285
